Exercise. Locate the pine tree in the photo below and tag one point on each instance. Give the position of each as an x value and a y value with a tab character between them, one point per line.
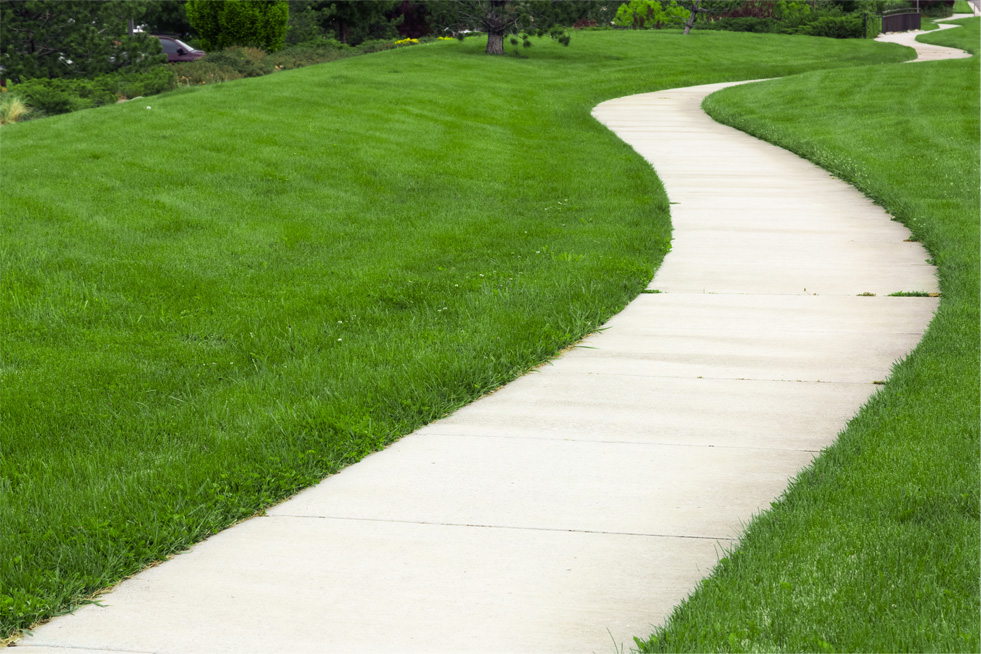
76	39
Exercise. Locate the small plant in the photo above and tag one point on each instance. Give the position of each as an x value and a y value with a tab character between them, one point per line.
407	41
13	109
649	14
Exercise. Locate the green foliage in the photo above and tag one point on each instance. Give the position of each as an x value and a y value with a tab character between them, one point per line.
850	26
500	18
247	23
59	96
236	63
791	18
792	13
742	24
937	8
649	14
247	62
168	17
356	21
873	25
203	71
73	38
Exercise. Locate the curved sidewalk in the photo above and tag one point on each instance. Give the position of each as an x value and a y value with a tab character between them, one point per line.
574	508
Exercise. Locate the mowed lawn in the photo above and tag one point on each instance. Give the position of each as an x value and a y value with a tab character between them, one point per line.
875	548
216	297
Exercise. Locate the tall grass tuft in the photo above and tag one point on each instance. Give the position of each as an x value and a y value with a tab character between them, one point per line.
13	109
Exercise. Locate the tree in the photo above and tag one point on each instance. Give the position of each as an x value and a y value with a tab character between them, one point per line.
247	23
42	38
693	6
649	14
499	18
168	17
355	21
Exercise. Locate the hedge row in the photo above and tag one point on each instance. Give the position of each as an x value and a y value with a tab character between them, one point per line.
847	26
59	96
49	97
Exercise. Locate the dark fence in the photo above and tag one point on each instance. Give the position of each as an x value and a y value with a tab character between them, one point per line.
900	20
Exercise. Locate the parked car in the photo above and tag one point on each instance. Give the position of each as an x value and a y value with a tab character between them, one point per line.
177	50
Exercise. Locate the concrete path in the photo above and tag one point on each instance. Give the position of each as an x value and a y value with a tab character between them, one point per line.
925	51
571	510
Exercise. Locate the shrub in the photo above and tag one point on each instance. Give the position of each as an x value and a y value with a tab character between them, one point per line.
873	26
247	62
203	71
150	82
583	23
850	26
61	96
12	109
226	23
374	45
649	14
743	24
938	8
307	54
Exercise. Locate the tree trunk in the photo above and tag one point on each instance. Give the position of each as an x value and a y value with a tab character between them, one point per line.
690	21
495	43
695	7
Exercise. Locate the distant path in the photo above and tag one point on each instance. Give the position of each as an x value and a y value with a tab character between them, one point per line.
575	507
925	51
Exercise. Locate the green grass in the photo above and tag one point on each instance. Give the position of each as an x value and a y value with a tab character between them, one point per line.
875	547
215	297
962	7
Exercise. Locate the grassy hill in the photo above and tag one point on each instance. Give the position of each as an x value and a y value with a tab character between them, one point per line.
216	297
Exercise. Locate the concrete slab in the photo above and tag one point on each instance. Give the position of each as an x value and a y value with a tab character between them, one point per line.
710	275
319	585
775	356
559	485
635	409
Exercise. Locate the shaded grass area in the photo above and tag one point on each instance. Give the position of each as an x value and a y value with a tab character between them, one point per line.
219	296
875	547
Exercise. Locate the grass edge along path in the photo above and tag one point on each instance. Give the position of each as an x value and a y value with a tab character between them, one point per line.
874	547
216	298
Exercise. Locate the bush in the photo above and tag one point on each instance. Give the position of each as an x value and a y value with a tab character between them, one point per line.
203	71
874	26
374	45
937	8
61	96
649	14
247	62
850	26
745	24
250	23
150	82
307	54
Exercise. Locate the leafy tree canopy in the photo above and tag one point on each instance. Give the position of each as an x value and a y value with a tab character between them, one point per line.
500	18
72	38
168	17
